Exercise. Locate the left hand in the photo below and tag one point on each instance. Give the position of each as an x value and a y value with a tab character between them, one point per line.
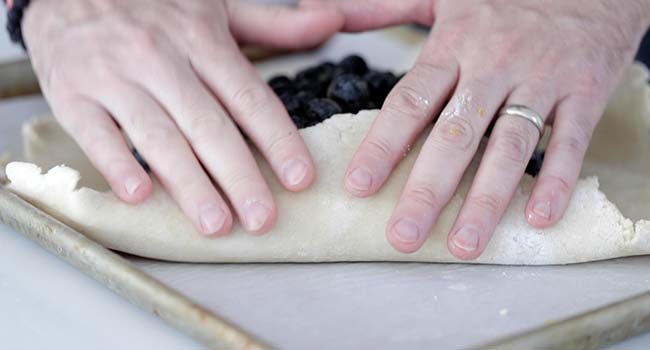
560	58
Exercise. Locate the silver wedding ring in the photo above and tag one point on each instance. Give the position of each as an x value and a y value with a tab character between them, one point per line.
526	113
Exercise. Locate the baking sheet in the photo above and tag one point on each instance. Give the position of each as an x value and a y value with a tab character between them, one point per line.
388	305
395	305
399	305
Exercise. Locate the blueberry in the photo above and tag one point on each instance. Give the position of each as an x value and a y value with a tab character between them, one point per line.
140	160
315	79
299	121
279	80
291	103
295	103
379	85
350	92
320	75
282	85
320	109
372	105
352	64
327	69
310	86
303	98
535	163
288	101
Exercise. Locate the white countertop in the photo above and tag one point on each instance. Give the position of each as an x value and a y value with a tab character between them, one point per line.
46	303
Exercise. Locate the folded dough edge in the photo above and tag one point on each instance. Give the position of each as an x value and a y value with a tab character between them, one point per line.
324	223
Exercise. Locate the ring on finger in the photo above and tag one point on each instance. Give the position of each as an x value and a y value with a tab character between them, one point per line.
526	113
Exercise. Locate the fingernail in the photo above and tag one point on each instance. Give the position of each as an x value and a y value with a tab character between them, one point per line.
131	185
255	215
294	171
543	209
466	238
406	231
212	218
360	179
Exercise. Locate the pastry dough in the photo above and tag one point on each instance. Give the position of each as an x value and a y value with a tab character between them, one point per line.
324	223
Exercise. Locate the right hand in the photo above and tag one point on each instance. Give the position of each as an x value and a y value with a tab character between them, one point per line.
171	75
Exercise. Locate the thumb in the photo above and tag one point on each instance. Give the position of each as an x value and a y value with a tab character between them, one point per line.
361	15
302	26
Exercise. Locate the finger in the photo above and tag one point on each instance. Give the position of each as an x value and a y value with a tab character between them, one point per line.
508	151
99	138
443	159
409	107
259	112
374	14
214	138
170	157
299	27
575	120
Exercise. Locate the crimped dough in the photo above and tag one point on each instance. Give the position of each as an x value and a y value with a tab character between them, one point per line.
324	223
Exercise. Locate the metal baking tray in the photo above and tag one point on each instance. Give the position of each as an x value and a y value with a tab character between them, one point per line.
351	304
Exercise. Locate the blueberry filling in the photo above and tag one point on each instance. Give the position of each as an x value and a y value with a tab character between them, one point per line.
379	85
350	91
320	109
316	93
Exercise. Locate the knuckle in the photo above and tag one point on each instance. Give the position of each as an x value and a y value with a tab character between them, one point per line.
591	82
96	140
102	67
501	57
428	70
488	202
560	182
255	98
191	188
145	42
449	37
424	195
297	40
205	128
200	27
407	102
455	134
196	188
476	93
156	136
301	39
280	142
379	148
500	61
513	144
573	145
237	182
142	36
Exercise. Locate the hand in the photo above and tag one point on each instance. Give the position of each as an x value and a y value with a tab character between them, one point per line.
560	58
171	75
